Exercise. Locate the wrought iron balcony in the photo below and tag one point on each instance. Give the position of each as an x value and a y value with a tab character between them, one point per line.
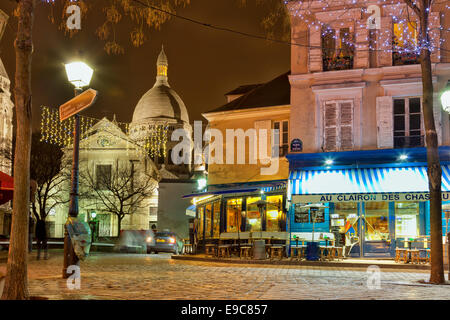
338	63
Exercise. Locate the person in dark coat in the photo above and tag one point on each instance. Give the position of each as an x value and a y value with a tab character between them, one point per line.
41	238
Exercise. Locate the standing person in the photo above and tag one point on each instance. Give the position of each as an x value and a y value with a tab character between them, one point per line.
41	236
30	234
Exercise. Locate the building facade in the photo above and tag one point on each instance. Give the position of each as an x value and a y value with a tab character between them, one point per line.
107	152
246	190
356	103
6	130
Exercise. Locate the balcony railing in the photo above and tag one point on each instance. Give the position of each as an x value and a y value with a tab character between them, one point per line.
404	58
409	142
338	63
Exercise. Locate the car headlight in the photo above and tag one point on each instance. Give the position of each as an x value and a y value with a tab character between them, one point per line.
149	239
172	240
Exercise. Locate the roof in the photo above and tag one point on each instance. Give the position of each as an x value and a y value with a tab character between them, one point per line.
243	89
276	92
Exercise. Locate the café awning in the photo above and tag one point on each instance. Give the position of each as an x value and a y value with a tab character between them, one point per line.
364	181
6	187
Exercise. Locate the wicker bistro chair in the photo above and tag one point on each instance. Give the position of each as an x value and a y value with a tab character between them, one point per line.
415	256
338	253
224	251
298	252
424	256
401	255
276	251
246	250
210	249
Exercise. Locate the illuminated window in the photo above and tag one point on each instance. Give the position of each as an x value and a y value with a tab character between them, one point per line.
234	214
337	49
208	220
216	220
162	71
376	221
406	219
404	44
345	217
254	221
274	212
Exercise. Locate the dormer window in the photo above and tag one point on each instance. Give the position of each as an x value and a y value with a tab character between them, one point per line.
337	49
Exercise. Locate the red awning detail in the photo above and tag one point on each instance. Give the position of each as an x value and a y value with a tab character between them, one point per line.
6	187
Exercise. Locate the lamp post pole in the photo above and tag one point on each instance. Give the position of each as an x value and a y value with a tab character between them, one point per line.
70	258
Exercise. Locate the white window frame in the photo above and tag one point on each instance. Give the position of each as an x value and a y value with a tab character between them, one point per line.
280	143
407	116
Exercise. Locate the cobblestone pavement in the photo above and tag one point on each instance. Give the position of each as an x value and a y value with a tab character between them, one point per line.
133	276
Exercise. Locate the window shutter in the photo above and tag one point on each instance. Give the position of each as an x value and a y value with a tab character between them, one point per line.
346	126
384	42
315	53
385	122
330	127
435	36
264	154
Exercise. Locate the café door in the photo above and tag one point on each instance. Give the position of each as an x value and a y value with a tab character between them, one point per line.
376	232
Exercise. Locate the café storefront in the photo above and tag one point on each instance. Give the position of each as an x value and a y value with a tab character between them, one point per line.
370	210
242	213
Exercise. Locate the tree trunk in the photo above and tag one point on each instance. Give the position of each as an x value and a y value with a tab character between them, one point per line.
119	224
434	166
16	286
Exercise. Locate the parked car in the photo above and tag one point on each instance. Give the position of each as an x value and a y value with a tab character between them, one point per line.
165	241
133	241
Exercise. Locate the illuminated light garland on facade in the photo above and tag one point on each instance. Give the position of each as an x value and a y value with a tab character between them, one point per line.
54	131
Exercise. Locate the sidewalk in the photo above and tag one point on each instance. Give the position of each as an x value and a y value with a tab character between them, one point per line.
346	263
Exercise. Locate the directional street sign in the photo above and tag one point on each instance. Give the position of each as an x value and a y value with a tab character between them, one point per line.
77	104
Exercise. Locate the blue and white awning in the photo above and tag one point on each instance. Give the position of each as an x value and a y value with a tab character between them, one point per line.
370	180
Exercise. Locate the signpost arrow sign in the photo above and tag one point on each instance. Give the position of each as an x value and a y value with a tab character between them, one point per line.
77	104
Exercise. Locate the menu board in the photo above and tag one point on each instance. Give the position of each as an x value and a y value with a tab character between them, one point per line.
317	215
301	215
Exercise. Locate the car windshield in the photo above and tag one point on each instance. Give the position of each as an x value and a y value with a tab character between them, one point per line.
164	234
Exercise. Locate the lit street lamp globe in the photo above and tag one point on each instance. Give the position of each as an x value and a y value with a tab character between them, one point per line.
79	74
445	98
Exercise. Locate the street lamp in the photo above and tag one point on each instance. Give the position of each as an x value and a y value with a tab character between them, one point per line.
79	74
445	98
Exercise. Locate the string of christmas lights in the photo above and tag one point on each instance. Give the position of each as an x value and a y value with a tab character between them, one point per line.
153	140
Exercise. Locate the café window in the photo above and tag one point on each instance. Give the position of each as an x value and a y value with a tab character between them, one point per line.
254	221
408	123
406	219
208	220
234	214
216	220
274	212
345	217
376	224
201	212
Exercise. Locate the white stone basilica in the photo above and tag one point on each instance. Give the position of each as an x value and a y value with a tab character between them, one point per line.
161	105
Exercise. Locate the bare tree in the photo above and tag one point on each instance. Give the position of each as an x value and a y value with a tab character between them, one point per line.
16	285
46	164
121	190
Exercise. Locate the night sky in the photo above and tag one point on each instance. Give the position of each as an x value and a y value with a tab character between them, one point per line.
204	64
